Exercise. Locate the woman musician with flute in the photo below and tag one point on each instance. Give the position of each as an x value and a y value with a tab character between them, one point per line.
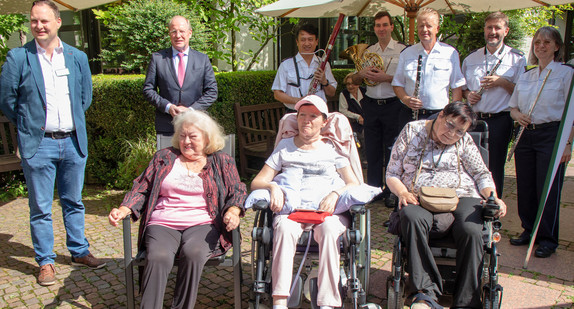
537	105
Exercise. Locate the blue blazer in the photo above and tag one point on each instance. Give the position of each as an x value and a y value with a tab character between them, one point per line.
162	87
23	95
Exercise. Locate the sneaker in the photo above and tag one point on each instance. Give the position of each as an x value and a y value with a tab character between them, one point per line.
88	260
47	275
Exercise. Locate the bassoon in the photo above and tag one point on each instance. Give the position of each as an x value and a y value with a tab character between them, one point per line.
315	84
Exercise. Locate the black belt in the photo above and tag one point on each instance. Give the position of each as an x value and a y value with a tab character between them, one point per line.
491	115
385	101
59	135
534	126
423	111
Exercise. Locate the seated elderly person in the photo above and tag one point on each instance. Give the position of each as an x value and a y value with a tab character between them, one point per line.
324	176
439	153
189	199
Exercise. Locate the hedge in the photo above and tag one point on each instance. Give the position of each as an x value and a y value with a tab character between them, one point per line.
120	117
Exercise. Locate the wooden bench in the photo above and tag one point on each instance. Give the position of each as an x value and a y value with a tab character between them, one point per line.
9	157
256	127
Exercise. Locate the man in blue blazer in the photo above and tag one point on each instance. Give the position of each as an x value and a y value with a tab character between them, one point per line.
178	78
45	89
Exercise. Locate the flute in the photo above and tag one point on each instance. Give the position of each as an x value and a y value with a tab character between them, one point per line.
521	129
315	83
482	89
418	85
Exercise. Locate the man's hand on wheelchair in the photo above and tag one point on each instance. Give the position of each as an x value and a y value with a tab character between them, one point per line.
118	214
231	218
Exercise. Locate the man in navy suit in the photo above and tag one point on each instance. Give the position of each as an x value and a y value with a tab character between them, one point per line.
46	87
178	78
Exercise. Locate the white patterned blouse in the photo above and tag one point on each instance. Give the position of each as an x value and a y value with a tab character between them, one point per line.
439	165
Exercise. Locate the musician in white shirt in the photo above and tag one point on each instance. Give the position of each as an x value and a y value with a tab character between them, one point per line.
491	73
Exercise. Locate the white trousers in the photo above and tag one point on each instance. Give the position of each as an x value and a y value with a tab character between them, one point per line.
285	236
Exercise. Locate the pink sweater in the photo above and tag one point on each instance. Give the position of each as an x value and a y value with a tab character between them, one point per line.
181	203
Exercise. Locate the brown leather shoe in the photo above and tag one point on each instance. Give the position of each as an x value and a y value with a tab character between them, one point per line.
88	260
47	275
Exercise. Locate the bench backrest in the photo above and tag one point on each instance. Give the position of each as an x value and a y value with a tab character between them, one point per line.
9	160
256	127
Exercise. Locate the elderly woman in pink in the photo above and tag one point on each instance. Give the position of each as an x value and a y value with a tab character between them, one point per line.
189	199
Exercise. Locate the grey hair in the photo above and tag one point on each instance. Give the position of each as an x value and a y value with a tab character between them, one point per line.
212	131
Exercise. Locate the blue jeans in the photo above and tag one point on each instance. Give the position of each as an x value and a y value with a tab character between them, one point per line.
56	161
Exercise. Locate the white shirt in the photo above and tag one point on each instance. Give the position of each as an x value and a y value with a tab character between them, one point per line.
550	105
477	65
390	57
58	105
440	70
287	75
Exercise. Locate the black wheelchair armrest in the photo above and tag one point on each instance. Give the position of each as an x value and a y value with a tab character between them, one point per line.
359	209
261	205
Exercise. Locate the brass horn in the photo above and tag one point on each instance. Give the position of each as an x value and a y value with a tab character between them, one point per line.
362	58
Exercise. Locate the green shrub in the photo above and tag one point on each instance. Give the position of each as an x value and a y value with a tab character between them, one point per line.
120	122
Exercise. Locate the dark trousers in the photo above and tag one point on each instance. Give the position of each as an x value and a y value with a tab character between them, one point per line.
406	115
500	127
416	224
381	128
194	247
532	160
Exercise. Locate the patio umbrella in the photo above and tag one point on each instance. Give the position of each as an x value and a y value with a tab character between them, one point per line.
332	8
23	6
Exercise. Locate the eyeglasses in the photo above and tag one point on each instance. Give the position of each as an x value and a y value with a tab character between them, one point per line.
451	127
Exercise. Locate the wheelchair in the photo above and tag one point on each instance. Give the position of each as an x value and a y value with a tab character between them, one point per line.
444	251
354	244
355	250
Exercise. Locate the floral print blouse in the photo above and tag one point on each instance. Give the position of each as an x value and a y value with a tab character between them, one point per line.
439	165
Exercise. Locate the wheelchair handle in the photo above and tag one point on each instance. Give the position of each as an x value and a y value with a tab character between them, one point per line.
490	208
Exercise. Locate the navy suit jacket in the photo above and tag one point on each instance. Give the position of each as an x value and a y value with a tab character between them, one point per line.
162	87
23	95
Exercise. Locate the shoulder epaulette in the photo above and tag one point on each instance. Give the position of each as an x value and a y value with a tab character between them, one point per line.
517	51
288	58
529	67
472	52
569	65
406	48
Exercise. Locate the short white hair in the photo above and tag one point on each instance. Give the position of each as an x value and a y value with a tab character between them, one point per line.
212	131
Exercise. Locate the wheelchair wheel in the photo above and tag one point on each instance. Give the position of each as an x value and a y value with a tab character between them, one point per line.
260	262
395	299
363	272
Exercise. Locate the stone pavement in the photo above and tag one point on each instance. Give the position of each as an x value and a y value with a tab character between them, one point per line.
546	283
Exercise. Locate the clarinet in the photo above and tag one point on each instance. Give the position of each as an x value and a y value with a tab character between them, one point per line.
490	74
418	85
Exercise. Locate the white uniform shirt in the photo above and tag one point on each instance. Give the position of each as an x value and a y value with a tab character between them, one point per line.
58	105
553	96
286	78
390	57
440	70
477	65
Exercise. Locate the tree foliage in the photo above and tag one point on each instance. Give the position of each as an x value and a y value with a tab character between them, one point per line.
9	24
138	28
534	18
228	20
